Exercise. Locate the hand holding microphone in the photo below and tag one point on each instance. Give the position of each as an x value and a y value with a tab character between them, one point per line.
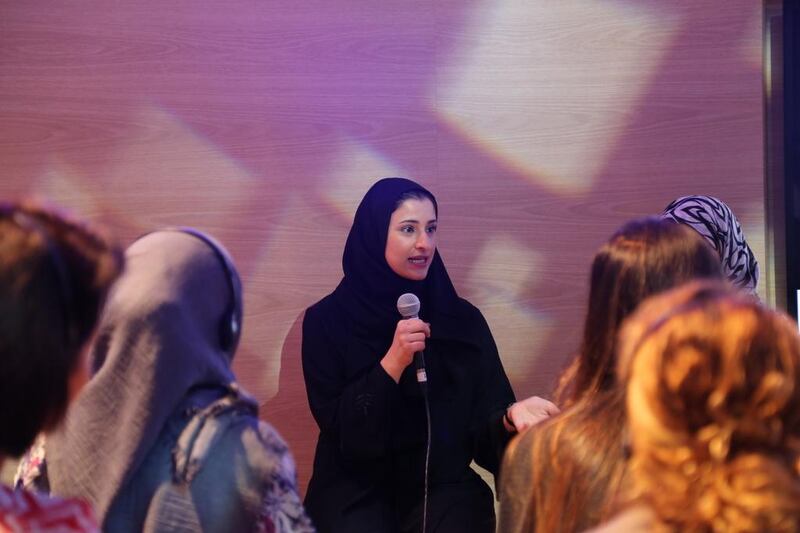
409	337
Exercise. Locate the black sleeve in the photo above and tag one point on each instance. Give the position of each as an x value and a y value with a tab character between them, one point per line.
355	411
495	395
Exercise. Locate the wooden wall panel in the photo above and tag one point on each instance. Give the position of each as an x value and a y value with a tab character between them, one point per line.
540	126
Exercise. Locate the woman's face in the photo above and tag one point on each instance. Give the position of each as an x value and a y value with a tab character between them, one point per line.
411	241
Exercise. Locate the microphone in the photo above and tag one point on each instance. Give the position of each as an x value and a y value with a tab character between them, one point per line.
408	306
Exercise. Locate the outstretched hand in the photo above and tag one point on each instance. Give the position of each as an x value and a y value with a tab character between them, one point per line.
529	412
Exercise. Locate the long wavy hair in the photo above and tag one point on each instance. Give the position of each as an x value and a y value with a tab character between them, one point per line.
644	257
566	474
713	406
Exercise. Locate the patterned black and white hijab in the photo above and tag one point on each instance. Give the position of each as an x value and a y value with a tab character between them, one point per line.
715	221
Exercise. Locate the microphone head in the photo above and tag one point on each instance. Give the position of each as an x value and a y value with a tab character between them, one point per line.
408	305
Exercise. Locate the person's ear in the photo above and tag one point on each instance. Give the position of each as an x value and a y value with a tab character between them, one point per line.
81	373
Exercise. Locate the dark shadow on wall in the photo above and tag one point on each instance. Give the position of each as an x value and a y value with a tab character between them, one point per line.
288	410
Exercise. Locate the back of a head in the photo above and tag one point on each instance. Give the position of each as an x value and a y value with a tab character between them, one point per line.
159	340
644	257
183	270
54	277
714	220
713	401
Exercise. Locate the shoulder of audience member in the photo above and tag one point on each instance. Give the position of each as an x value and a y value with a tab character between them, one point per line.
559	435
256	441
525	448
631	520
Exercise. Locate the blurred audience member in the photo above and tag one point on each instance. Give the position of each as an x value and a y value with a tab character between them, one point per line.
713	403
563	475
163	438
54	277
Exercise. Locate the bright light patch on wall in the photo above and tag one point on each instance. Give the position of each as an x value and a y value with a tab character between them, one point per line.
753	41
165	167
497	283
66	186
354	169
278	287
581	82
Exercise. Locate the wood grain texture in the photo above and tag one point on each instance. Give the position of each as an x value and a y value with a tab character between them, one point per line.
540	126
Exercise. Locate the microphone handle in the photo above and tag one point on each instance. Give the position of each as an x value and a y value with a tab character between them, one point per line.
419	362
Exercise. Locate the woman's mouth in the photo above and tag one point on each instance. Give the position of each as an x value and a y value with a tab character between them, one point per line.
418	261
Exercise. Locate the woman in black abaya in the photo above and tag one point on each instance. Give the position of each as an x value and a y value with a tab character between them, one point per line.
369	467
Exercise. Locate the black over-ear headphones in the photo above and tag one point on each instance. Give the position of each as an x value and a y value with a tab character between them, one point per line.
230	325
30	224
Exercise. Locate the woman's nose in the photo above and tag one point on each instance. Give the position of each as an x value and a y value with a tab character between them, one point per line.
424	240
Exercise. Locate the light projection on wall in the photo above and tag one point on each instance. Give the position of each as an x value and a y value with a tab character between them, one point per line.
503	272
353	169
540	126
504	65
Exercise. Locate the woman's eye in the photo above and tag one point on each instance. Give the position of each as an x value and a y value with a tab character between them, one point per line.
431	229
407	229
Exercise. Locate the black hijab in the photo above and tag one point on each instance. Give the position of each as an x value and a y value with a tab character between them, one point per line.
370	288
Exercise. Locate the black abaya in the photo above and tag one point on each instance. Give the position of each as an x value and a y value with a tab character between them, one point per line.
369	464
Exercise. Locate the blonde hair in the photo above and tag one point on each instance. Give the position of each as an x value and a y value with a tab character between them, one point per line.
713	402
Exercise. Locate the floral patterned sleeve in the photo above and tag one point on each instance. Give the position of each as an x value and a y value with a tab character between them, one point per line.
282	510
32	469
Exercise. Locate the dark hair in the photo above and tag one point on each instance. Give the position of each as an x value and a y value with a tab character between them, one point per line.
54	277
644	257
